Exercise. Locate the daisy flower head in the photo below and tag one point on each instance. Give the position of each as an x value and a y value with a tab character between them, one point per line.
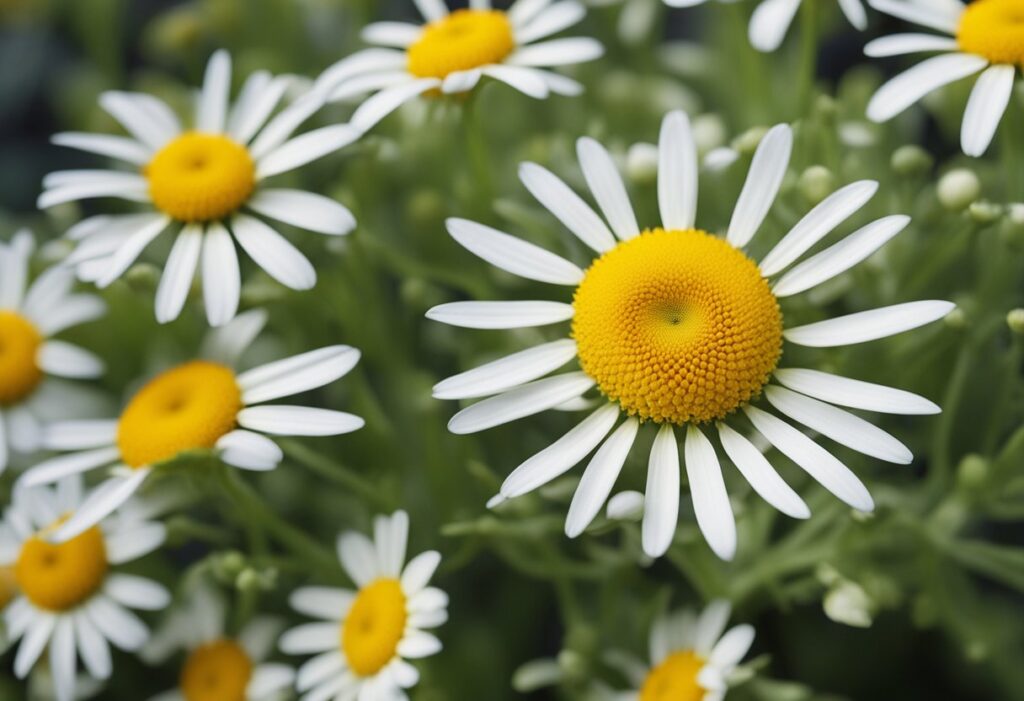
362	639
680	329
986	37
207	185
71	600
203	404
30	315
455	49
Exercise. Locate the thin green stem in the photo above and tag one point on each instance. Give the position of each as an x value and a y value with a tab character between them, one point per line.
808	69
476	147
334	471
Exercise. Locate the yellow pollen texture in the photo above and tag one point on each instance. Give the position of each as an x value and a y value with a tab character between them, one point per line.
677	327
374	627
675	679
60	577
186	408
993	29
217	671
463	40
200	177
19	344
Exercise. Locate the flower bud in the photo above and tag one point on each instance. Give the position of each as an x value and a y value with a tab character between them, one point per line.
747	142
958	188
972	471
1015	320
817	183
849	604
642	163
985	212
626	506
709	132
911	160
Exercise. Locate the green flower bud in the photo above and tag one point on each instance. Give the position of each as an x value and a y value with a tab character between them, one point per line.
709	132
747	142
956	319
642	163
985	212
1015	320
817	183
911	160
972	471
142	276
848	603
958	188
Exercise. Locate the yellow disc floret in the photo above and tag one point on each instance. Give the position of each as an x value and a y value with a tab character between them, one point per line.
675	679
374	627
19	344
217	671
186	408
200	177
677	327
463	40
60	577
993	29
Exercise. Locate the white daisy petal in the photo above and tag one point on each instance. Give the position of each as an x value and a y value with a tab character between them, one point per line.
249	451
32	645
318	670
567	206
945	18
67	360
283	420
419	644
14	271
770	22
430	599
54	469
387	101
132	189
513	254
222	283
79	435
855	393
523	11
118	147
855	13
269	679
677	172
71	311
358	557
418	571
553	19
147	119
526	80
732	647
253	87
759	473
989	100
432	10
902	44
661	497
179	272
212	110
910	86
396	537
359	64
710	625
501	315
116	624
92	647
305	210
247	119
460	81
100	503
599	478
272	252
869	325
299	373
526	400
707	489
278	129
560	84
607	187
225	344
131	249
508	372
322	602
762	185
136	592
557	52
397	34
132	543
362	85
309	638
306	148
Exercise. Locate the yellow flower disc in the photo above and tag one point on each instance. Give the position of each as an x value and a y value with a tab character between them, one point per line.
217	671
200	177
993	29
675	679
186	408
463	40
374	626
60	577
677	327
19	344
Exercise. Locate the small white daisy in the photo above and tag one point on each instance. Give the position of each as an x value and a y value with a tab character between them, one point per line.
206	184
681	329
454	50
199	405
29	356
363	638
985	37
70	598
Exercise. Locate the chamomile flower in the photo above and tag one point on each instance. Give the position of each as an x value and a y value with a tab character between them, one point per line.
363	638
984	37
30	315
71	599
455	50
204	404
206	185
680	329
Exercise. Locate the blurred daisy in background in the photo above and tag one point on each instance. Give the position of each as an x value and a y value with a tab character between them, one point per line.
363	638
70	601
681	329
984	37
454	50
206	185
199	405
30	314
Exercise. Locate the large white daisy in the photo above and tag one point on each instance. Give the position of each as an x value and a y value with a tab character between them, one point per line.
199	405
30	315
363	638
70	598
206	184
681	329
454	50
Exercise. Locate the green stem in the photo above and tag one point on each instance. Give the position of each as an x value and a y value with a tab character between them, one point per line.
333	471
808	69
476	147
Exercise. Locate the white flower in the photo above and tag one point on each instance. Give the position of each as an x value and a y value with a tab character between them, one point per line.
363	638
205	184
680	328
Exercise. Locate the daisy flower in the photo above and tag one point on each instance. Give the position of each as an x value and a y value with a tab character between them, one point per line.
680	329
454	50
203	404
381	624
984	37
218	667
206	185
30	315
71	600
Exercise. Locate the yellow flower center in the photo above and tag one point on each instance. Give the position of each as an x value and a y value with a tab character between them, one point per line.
186	408
675	679
374	626
993	29
677	326
199	177
217	671
463	40
59	577
19	343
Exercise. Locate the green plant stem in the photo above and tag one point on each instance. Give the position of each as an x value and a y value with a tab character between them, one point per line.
476	147
334	471
808	69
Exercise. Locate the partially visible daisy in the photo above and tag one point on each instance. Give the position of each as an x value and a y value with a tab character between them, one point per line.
454	50
203	404
29	316
219	667
680	329
206	184
363	638
985	37
72	602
